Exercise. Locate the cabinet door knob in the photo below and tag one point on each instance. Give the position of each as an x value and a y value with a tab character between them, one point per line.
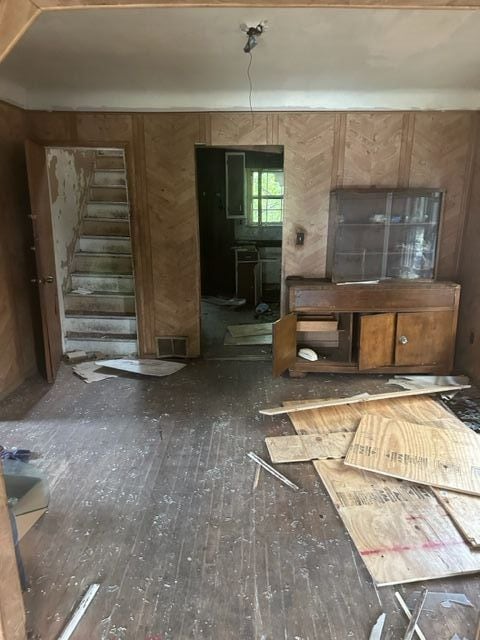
403	340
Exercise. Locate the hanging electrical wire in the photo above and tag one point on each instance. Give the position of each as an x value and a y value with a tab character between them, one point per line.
253	33
250	84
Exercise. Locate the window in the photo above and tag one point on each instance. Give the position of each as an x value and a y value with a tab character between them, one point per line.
265	197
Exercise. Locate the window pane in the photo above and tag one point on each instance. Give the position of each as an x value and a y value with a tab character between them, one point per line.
254	219
272	183
255	175
272	210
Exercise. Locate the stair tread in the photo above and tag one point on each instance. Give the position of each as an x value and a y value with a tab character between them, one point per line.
104	294
102	253
88	236
109	202
104	315
99	335
100	219
99	274
109	170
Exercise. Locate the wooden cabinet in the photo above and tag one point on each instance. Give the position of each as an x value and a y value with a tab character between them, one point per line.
389	327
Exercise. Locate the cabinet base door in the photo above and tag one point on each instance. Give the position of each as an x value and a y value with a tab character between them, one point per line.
377	341
424	338
284	333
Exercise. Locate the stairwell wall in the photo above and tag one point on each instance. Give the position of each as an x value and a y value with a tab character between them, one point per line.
70	172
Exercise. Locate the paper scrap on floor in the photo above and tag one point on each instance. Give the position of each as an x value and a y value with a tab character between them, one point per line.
158	368
89	372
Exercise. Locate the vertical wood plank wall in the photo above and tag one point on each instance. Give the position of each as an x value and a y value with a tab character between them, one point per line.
468	337
323	150
17	347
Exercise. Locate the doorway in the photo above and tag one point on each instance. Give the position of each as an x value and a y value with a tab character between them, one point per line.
241	209
88	211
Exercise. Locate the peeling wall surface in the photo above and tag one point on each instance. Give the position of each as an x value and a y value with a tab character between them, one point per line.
69	174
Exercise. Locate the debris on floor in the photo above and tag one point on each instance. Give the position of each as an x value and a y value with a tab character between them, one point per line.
377	629
274	472
379	458
75	356
421	382
91	372
224	302
466	409
79	612
157	368
27	492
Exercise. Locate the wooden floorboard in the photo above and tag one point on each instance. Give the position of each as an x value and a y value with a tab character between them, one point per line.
152	497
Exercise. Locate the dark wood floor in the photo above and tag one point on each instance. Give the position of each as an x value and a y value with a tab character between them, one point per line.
152	497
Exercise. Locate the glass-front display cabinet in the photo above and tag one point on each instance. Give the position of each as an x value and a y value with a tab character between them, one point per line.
378	234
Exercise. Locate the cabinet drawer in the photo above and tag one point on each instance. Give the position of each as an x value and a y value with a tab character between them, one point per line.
381	297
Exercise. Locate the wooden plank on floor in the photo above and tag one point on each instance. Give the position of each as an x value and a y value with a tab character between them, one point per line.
12	614
464	510
145	367
362	397
400	530
431	455
422	409
306	448
240	330
243	341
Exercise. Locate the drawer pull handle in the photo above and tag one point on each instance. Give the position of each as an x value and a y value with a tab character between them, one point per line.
403	340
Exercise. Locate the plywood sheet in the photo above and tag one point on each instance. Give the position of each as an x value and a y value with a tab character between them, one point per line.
464	510
240	330
362	397
432	455
400	530
305	448
422	409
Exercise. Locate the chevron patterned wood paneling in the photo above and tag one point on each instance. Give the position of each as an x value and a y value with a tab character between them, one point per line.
441	152
170	160
238	128
372	149
308	145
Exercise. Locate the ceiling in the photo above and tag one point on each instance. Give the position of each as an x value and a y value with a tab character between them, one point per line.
192	59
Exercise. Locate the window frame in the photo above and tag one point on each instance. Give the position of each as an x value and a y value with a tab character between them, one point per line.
259	197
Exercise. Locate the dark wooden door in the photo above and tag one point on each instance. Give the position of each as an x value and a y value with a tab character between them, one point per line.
424	338
44	256
284	333
377	341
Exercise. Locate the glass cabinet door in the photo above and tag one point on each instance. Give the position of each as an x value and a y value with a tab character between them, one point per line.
377	234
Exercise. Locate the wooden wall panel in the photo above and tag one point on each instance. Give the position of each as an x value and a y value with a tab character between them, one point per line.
172	215
308	140
468	337
441	153
322	150
17	306
238	128
372	149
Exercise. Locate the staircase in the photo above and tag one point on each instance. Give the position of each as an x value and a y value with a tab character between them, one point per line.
100	301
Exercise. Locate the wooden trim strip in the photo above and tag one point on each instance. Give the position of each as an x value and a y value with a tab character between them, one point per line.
349	4
362	397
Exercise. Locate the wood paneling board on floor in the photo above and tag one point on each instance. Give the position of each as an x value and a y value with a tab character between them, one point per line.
12	613
431	455
418	539
17	296
465	512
